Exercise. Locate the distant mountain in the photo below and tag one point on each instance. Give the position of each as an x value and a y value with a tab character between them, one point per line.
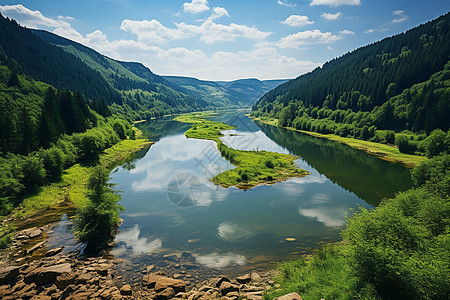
399	83
242	92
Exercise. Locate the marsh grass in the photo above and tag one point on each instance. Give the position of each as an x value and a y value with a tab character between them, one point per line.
253	167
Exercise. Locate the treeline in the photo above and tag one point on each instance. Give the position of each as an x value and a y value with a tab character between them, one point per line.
22	175
399	250
398	84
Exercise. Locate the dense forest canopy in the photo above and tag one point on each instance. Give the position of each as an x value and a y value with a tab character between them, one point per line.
400	83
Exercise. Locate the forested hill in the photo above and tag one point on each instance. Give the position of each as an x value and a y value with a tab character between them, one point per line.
400	83
129	88
242	92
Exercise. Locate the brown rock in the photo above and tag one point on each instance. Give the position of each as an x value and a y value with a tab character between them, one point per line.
83	278
221	279
165	282
125	290
35	247
167	293
49	274
102	269
8	274
255	277
54	251
244	279
65	279
32	275
291	296
254	296
196	296
41	297
150	280
79	296
227	287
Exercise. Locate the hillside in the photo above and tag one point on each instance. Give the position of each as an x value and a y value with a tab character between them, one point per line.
242	92
398	84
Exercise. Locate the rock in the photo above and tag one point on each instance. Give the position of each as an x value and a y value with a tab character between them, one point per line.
79	296
83	278
8	274
31	276
49	274
33	232
244	279
190	266
167	293
54	251
186	255
150	280
233	294
227	287
35	247
198	295
20	260
291	296
165	282
125	290
102	269
255	277
254	296
65	279
170	257
221	279
41	297
149	268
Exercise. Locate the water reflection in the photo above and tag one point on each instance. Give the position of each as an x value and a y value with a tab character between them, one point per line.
129	241
216	260
225	226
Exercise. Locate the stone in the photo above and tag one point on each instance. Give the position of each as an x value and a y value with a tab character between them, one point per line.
102	269
8	274
167	293
198	295
41	297
35	247
254	296
31	276
221	279
79	296
83	278
125	290
49	274
165	282
150	280
54	251
290	296
65	279
255	277
170	257
34	232
244	279
233	294
227	287
149	268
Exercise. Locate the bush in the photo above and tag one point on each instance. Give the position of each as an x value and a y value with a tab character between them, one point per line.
269	164
435	143
402	143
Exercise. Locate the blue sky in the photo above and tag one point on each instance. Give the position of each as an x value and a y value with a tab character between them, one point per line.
225	39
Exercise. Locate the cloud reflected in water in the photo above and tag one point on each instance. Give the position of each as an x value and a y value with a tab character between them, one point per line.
130	240
216	260
233	233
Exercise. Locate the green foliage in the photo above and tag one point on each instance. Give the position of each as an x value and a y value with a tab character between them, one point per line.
372	89
436	143
98	219
402	143
434	174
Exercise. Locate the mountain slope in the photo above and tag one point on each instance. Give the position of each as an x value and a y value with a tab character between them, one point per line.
243	92
400	83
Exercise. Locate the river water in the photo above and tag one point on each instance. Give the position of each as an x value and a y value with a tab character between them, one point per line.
171	206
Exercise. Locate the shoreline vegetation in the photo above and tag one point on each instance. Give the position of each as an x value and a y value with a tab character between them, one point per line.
382	151
253	168
70	192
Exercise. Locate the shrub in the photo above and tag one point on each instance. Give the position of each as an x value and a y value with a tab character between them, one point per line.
269	164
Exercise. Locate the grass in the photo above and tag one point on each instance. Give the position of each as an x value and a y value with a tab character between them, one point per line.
382	151
71	190
253	167
326	274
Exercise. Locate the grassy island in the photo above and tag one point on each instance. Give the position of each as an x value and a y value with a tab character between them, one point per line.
253	167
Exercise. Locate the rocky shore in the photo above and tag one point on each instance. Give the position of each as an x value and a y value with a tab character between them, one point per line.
29	270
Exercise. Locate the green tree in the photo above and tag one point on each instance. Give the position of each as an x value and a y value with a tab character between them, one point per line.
435	143
99	218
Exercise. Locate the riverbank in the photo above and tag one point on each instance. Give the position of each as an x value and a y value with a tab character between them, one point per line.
253	167
382	151
56	199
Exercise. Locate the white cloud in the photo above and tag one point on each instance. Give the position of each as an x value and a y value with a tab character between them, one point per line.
308	37
331	17
330	48
233	232
335	2
369	31
346	32
297	21
129	239
219	12
152	31
196	6
32	18
401	16
286	3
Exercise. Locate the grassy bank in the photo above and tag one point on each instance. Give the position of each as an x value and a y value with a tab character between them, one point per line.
399	250
253	167
71	190
383	151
